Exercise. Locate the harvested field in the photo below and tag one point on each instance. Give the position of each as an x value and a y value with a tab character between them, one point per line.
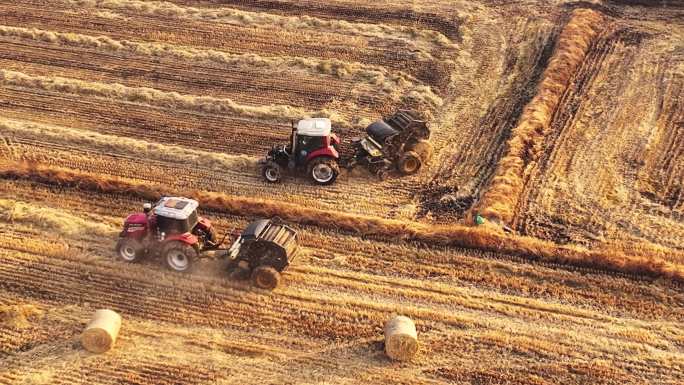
636	194
561	123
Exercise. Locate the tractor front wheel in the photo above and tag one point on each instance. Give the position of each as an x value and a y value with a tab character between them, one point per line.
179	256
130	250
324	171
265	277
271	172
409	163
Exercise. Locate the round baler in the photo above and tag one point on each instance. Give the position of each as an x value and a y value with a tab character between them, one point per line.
262	251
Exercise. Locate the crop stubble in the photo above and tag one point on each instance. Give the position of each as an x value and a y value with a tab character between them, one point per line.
482	316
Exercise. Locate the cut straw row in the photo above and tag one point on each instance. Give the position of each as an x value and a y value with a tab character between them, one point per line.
525	146
609	258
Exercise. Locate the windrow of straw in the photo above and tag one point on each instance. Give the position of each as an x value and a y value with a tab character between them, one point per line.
124	145
48	218
357	72
525	146
484	238
18	316
425	39
169	100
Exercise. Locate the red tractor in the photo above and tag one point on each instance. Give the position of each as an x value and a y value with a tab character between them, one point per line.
172	230
312	150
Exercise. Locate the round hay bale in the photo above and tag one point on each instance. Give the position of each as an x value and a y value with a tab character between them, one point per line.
100	334
401	338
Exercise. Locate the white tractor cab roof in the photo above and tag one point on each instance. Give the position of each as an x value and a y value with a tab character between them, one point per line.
314	127
175	207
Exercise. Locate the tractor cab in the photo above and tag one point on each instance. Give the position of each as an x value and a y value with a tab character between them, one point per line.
175	216
311	149
311	136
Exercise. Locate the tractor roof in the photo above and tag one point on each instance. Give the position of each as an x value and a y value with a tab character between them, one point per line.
314	127
175	207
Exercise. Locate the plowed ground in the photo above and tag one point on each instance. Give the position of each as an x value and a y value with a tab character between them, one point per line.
612	172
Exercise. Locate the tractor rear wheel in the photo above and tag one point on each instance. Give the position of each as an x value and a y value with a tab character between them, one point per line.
130	250
424	149
409	163
265	277
179	256
271	172
323	170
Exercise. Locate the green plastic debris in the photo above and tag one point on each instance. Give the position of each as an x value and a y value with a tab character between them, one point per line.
479	220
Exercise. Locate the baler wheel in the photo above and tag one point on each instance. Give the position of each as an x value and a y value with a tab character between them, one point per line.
265	277
382	174
409	163
424	149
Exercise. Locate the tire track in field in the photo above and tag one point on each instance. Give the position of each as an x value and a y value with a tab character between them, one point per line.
98	278
184	167
353	71
243	87
619	116
659	179
97	272
81	139
440	20
134	272
245	181
612	258
159	301
525	145
207	132
470	155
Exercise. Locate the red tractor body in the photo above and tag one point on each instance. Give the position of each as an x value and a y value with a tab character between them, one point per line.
328	149
171	228
135	226
311	150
